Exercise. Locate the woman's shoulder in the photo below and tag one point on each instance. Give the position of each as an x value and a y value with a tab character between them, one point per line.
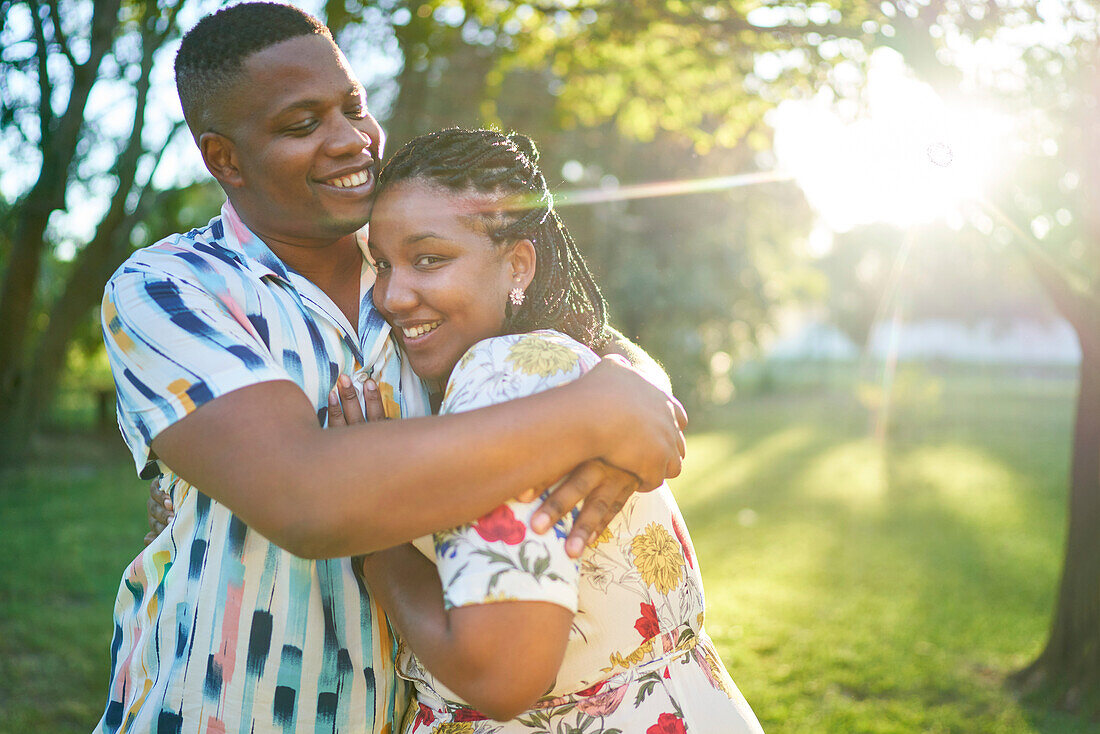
510	366
542	353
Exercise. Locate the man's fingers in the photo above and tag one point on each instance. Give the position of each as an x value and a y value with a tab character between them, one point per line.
602	504
349	401
372	396
528	495
680	413
576	487
150	537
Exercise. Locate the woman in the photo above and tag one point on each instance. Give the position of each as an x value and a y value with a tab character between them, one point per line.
488	295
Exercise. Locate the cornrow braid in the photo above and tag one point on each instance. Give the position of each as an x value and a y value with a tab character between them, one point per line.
563	295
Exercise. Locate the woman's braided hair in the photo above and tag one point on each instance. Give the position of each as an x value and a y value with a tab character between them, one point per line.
563	295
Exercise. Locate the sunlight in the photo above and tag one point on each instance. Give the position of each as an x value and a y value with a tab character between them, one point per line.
906	158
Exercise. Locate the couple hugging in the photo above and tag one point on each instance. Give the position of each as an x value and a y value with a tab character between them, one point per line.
265	604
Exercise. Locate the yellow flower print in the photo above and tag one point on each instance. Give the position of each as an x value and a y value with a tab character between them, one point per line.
492	598
658	558
601	538
639	654
454	727
535	355
466	357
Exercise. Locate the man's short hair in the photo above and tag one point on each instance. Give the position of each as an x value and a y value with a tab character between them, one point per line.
212	54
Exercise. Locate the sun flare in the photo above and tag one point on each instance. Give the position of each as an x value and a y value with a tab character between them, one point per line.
908	157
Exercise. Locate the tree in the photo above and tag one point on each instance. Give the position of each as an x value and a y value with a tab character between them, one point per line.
709	69
55	56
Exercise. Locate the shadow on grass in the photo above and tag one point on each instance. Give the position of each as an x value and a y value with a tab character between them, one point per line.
924	568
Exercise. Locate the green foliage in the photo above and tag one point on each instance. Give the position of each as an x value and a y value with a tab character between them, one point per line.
852	586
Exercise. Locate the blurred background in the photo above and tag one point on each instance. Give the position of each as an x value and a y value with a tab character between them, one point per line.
863	238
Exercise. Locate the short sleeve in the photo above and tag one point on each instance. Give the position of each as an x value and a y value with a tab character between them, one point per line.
172	347
498	557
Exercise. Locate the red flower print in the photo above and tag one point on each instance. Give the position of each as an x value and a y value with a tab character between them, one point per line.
647	624
592	690
501	524
423	716
465	714
685	541
667	724
603	704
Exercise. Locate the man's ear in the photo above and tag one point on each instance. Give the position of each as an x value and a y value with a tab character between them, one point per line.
523	260
220	156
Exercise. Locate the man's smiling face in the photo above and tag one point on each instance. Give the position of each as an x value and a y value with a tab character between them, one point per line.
306	150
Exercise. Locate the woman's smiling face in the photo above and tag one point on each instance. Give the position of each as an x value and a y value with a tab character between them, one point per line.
442	282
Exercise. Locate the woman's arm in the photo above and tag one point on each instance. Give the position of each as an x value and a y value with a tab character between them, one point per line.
499	657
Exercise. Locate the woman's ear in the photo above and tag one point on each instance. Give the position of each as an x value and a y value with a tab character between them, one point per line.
220	157
523	261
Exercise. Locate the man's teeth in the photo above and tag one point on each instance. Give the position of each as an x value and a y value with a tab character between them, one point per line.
355	179
415	331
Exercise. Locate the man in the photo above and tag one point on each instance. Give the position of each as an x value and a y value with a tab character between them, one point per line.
225	343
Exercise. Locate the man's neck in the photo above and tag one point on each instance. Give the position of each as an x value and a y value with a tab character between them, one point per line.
335	268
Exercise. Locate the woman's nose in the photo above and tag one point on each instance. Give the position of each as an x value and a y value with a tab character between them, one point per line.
395	294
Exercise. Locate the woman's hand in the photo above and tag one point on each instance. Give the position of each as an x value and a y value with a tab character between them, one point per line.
161	511
343	404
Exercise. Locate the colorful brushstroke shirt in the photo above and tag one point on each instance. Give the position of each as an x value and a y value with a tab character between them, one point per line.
217	629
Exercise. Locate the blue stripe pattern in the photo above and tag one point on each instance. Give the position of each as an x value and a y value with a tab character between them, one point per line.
216	628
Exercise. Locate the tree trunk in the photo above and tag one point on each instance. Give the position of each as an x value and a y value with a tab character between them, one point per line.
1069	666
20	280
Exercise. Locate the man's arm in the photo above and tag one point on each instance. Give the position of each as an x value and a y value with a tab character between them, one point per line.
260	451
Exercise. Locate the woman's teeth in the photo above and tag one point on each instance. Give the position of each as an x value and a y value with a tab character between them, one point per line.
412	332
355	179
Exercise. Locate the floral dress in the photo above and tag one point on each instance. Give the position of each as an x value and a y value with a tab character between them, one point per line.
637	660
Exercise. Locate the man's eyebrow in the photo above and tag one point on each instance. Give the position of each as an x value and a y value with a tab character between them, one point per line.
355	90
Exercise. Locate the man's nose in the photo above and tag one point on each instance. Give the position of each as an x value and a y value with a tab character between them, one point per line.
347	138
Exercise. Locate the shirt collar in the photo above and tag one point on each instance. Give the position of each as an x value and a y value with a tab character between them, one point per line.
254	254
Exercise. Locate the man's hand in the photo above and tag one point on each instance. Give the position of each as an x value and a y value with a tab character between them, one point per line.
161	511
650	448
602	488
643	426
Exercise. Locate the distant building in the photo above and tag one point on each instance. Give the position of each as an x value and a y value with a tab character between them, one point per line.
1013	342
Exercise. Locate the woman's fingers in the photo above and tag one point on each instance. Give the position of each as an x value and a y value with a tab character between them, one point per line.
343	404
335	411
349	401
160	509
372	396
160	506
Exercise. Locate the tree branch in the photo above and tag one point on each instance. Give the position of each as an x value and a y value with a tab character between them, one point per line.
59	34
45	87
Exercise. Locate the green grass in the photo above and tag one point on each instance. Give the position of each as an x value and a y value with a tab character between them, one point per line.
856	581
864	584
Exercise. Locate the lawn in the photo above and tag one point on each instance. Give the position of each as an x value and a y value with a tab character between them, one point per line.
857	580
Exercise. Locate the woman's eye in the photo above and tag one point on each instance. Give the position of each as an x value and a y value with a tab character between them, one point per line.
428	260
381	265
